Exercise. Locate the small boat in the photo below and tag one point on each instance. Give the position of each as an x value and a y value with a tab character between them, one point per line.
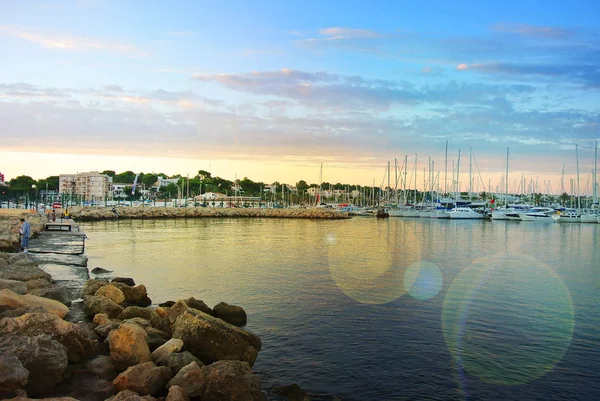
569	216
382	213
540	215
465	213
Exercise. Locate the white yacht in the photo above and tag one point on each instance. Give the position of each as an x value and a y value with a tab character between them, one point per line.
590	218
465	213
540	214
569	216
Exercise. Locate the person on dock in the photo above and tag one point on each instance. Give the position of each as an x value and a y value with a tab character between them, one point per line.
25	233
67	214
53	216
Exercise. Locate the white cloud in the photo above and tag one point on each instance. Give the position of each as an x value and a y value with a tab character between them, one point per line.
73	43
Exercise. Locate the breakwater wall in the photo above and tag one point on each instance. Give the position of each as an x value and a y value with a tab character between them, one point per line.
99	213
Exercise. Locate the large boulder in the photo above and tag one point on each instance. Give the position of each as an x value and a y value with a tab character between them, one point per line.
134	295
221	381
22	269
211	339
54	292
15	286
91	286
231	380
12	373
21	311
86	386
191	378
38	283
103	330
78	342
178	360
173	345
124	280
111	292
44	358
177	393
128	346
135	311
198	305
144	378
11	300
128	395
156	338
231	314
292	392
102	367
93	305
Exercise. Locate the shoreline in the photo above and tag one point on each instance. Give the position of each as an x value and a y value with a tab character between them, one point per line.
87	213
100	338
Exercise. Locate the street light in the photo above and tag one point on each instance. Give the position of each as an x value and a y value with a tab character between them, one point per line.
33	186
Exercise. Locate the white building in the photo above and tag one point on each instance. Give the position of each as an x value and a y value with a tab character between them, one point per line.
90	185
163	182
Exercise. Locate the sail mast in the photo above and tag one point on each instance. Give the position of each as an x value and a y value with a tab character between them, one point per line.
506	199
578	194
446	171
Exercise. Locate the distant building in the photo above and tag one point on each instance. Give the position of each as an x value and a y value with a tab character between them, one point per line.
211	196
91	185
163	182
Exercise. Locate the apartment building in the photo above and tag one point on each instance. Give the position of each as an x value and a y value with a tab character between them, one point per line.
91	185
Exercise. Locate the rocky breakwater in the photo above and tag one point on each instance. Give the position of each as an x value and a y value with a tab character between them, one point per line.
102	213
125	350
9	229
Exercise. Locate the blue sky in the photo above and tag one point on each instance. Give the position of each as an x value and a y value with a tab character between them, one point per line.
270	89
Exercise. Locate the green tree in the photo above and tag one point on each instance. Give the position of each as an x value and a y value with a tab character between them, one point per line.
203	174
149	180
124	178
301	186
564	198
110	173
21	185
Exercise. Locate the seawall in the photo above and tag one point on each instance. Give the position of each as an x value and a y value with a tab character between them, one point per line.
99	213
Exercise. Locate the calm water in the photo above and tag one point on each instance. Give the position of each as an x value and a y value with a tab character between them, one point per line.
391	309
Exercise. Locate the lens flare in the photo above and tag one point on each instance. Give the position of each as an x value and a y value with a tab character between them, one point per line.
368	266
508	319
423	280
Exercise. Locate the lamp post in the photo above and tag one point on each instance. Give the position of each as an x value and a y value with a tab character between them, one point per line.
33	186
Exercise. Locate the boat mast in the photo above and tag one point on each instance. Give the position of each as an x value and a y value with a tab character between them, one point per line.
578	196
396	180
595	176
446	171
389	184
415	193
506	199
470	172
458	178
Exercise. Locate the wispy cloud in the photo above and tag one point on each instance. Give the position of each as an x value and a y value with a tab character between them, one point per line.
588	75
342	34
532	30
73	43
333	91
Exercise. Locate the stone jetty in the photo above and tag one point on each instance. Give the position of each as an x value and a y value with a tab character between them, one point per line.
104	213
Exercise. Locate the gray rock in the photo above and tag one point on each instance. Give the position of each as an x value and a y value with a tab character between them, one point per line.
128	395
93	305
171	346
11	300
135	311
178	360
38	283
78	343
21	311
22	269
167	304
231	380
12	373
134	295
231	314
44	358
99	270
198	305
15	286
56	293
211	339
155	338
125	280
102	367
144	378
103	330
143	323
91	286
177	393
191	378
293	392
87	386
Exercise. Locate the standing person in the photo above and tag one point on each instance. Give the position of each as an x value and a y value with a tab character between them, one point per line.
53	215
25	233
67	214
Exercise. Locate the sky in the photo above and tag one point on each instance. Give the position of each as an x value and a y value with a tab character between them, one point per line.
270	90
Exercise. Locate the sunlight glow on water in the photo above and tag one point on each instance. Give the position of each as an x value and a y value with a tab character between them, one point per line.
502	300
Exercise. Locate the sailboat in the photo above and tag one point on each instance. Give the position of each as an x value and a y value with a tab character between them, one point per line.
500	214
594	215
573	215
